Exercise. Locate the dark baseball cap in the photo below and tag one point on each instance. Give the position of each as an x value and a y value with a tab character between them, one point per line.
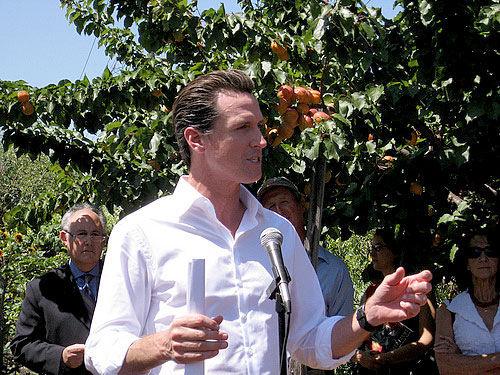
276	182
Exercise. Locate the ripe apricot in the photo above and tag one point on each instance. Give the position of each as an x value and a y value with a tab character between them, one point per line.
436	240
303	108
179	37
276	141
285	92
370	137
301	95
285	131
416	188
291	117
276	48
305	121
23	96
320	116
282	106
328	176
28	108
413	140
157	93
315	96
284	56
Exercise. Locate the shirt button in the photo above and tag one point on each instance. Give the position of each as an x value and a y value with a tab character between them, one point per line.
250	351
243	317
240	284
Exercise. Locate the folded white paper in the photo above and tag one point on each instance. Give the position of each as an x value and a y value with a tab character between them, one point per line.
196	303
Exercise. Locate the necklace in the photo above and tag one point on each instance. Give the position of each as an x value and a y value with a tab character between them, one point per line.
494	301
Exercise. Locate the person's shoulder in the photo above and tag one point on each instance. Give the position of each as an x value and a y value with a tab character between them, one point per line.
53	276
331	258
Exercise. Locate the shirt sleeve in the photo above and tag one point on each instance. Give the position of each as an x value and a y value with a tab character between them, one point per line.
123	301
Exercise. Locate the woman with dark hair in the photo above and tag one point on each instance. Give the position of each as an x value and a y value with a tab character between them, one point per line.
468	327
399	348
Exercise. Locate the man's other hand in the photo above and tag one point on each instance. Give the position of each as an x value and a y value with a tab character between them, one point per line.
73	355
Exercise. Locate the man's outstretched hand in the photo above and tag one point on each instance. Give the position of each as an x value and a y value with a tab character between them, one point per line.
398	297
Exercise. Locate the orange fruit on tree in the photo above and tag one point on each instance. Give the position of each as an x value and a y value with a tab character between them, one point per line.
23	96
305	121
286	92
277	49
303	108
285	130
179	37
291	117
282	106
413	140
157	93
320	116
276	141
301	95
28	108
315	96
436	240
416	188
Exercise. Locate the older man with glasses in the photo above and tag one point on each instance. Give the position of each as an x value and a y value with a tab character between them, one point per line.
58	307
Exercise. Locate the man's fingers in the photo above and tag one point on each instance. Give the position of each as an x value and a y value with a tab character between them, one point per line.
198	320
395	277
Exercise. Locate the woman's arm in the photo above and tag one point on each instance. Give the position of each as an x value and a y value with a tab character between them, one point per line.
450	360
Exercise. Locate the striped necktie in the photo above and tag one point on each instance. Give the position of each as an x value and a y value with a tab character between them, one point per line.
87	295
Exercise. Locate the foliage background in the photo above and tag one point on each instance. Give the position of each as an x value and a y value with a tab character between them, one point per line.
431	72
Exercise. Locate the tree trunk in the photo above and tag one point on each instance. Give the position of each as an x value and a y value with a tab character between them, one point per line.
313	233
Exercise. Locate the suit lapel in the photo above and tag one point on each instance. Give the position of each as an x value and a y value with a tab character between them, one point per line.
75	298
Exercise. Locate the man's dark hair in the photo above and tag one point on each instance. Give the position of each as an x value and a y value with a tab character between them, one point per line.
196	105
66	219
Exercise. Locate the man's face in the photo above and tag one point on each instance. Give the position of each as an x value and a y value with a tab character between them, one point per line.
84	239
233	150
283	202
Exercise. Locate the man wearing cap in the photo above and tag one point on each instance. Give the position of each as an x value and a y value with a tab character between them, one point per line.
57	310
280	195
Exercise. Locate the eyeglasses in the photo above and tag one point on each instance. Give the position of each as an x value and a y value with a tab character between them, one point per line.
94	237
475	252
377	248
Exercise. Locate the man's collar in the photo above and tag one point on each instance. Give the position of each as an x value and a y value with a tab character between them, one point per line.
77	272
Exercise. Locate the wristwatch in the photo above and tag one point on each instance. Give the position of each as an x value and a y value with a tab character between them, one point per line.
361	316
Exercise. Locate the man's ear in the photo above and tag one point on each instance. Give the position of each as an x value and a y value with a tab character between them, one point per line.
194	139
63	235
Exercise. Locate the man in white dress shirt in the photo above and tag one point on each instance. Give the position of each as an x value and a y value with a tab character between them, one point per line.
141	323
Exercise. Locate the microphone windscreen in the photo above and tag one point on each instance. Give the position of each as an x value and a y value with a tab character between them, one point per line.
271	235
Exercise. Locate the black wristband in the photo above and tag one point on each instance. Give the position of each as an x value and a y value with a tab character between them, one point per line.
361	316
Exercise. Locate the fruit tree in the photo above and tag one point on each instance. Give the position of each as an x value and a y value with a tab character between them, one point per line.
405	112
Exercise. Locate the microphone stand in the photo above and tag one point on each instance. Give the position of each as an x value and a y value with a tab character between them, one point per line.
274	293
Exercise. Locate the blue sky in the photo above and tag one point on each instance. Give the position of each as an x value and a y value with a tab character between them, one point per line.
39	46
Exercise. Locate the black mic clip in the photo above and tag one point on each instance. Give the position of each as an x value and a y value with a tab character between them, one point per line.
273	289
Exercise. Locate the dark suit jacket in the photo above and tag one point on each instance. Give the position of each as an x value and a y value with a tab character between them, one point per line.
52	317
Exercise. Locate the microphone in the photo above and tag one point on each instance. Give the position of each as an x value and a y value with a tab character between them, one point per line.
271	239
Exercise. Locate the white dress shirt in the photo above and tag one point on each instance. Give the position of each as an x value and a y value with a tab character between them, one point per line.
471	334
143	287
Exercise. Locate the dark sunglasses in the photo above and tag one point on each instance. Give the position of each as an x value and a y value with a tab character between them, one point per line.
377	248
475	252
